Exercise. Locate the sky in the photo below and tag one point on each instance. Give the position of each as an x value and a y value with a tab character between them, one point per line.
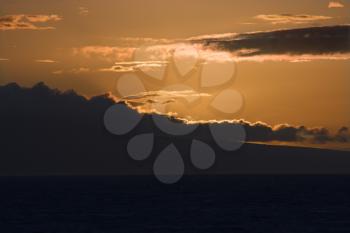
284	62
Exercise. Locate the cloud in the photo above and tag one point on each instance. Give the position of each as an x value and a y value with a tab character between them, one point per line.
78	70
27	22
147	102
45	61
110	53
302	44
137	41
153	101
291	45
334	4
4	59
84	11
42	18
256	132
213	36
343	134
63	133
295	58
57	72
262	132
121	67
291	19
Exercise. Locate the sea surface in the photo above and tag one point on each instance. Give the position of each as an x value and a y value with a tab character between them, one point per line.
266	204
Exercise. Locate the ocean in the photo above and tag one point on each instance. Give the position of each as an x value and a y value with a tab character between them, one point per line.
247	203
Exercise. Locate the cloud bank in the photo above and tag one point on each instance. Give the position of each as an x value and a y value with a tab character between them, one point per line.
41	102
48	132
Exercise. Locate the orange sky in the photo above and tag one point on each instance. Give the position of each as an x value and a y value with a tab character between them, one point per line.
73	44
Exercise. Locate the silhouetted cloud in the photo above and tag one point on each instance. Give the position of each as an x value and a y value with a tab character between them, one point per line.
328	42
56	103
46	131
262	132
291	19
28	22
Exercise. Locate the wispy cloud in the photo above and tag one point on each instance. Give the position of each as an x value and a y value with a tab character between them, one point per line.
294	58
84	11
334	4
42	18
78	70
4	59
291	19
45	61
27	22
213	36
155	101
57	72
120	67
111	53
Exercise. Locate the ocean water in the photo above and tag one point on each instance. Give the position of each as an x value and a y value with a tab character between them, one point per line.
266	204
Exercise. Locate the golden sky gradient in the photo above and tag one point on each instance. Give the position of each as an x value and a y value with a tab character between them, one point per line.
76	45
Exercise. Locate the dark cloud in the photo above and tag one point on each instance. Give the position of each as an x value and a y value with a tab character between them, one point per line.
343	135
325	40
46	131
262	132
48	103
